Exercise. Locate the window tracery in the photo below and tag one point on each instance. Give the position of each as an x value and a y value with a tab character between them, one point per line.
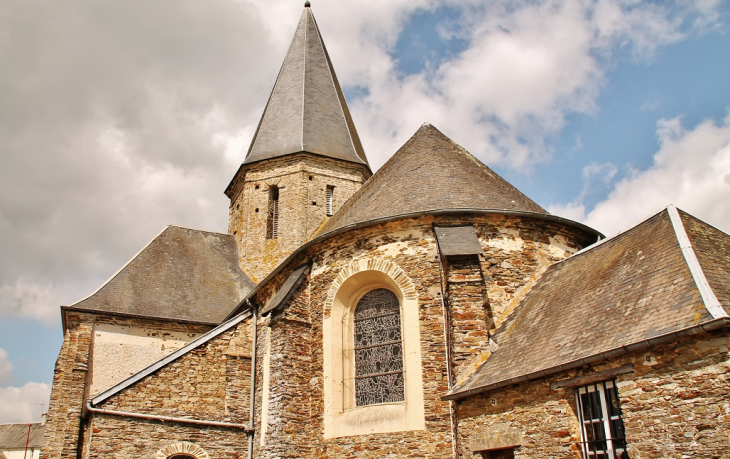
378	349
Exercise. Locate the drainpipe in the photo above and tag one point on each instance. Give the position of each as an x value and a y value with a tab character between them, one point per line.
447	345
252	412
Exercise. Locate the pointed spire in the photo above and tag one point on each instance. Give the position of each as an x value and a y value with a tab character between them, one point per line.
306	109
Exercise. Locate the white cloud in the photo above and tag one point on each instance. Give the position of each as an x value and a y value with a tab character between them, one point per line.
23	404
6	367
527	65
691	170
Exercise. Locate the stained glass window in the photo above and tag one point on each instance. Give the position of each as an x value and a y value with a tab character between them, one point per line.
378	349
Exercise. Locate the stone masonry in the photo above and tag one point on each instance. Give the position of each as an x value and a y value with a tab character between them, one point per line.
302	179
685	384
295	338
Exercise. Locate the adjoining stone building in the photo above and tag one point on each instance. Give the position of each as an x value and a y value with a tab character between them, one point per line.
427	310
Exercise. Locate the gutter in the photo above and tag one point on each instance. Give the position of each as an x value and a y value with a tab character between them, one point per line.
661	339
154	417
375	221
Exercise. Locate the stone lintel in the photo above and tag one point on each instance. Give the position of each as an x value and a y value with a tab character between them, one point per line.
498	436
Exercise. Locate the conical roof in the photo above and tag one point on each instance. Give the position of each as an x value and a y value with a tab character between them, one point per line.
306	109
429	173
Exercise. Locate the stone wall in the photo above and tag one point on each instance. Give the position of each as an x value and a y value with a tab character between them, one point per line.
75	364
209	383
116	437
302	180
675	404
61	434
294	403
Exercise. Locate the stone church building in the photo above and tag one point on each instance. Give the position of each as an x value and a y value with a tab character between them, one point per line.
428	310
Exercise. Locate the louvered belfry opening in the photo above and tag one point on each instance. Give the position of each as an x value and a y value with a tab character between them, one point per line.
330	200
272	220
378	349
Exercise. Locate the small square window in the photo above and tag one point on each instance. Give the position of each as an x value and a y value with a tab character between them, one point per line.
602	427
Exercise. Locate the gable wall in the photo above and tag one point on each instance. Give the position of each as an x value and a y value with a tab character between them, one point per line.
518	251
675	404
210	383
75	368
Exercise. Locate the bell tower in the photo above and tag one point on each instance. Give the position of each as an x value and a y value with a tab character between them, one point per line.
304	162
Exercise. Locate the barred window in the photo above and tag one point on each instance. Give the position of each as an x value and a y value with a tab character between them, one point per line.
378	349
602	427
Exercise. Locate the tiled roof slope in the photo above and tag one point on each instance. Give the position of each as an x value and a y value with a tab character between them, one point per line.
712	248
14	436
430	172
182	274
307	109
628	289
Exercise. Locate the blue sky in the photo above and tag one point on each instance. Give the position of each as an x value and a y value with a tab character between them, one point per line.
122	118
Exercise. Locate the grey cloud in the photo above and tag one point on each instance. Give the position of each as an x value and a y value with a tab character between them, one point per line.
108	125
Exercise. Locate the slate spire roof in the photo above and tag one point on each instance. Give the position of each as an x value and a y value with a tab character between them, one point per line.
306	110
619	295
430	172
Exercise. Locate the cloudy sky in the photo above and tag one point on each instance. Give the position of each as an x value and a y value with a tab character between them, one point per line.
118	118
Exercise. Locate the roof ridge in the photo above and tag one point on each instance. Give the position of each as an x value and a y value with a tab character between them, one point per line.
695	268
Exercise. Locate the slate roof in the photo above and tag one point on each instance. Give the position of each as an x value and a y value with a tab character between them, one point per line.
306	110
182	275
430	172
622	291
14	436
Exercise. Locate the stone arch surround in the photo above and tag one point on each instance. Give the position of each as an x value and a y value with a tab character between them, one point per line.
181	448
391	270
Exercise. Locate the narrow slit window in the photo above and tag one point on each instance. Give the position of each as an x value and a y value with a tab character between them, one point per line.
378	349
272	220
330	199
602	426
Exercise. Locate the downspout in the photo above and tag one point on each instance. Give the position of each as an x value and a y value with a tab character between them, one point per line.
252	411
447	345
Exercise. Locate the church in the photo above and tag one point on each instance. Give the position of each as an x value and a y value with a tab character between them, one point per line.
428	310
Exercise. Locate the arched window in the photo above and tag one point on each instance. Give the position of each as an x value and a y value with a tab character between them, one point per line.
181	456
378	349
272	219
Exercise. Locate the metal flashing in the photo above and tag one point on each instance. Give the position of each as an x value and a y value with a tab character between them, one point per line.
458	240
286	291
708	296
222	328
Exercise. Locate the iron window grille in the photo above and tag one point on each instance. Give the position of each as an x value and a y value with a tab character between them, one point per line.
602	427
378	349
